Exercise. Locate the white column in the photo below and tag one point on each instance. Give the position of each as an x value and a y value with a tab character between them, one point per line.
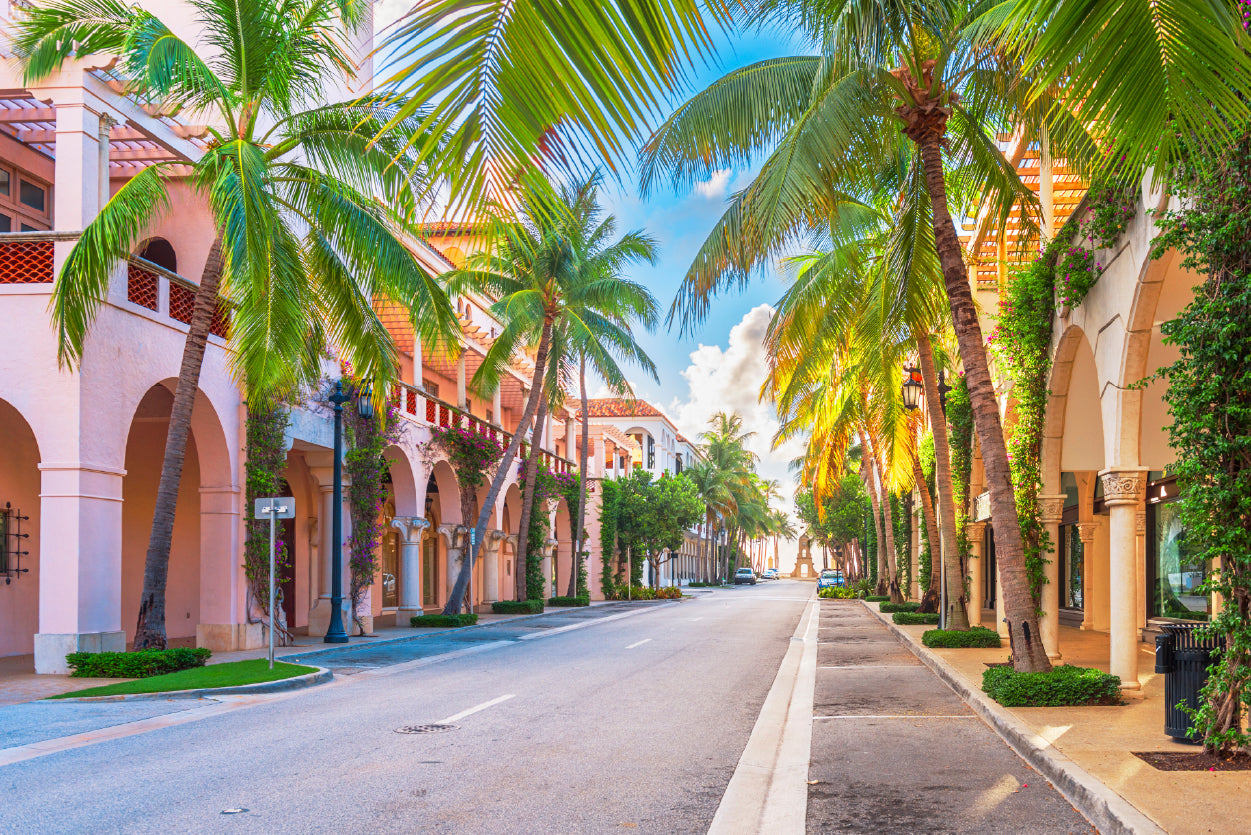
571	451
496	408
1050	513
545	566
1122	493
411	530
80	563
417	364
976	534
106	124
1086	533
491	566
452	541
76	198
319	614
460	380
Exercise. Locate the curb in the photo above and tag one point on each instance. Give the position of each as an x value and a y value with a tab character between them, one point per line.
1108	811
321	676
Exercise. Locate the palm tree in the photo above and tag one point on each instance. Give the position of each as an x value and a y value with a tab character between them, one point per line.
309	210
711	482
555	271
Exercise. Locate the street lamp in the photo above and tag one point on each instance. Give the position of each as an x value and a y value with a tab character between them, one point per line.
911	389
334	632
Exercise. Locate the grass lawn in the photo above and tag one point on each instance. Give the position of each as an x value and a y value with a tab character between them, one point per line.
230	674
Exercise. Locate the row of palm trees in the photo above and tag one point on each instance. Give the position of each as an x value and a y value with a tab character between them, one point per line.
739	506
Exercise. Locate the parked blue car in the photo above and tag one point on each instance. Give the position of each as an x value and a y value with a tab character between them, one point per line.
829	579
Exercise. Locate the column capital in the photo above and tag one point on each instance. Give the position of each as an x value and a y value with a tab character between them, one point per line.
975	531
1086	532
1051	508
410	527
1124	486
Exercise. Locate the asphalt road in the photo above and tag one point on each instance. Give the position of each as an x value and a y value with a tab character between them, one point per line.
634	723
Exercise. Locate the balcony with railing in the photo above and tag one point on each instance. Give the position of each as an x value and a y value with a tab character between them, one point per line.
427	410
27	258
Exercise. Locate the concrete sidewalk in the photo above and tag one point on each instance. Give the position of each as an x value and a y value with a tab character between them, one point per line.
1100	740
895	750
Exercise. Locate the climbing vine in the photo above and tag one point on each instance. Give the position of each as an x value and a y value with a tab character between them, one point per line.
608	538
960	440
929	467
1209	398
266	460
545	489
366	439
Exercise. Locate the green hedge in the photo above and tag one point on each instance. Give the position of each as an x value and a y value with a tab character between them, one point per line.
444	621
701	585
1061	686
148	662
928	618
877	598
977	636
837	593
517	607
907	606
569	601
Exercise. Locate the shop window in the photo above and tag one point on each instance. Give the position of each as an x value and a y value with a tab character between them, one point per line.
32	195
1178	572
1073	555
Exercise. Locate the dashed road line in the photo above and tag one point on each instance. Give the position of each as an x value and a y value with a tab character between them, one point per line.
456	717
638	643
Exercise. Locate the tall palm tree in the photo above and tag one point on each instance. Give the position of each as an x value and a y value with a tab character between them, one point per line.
712	484
555	270
309	210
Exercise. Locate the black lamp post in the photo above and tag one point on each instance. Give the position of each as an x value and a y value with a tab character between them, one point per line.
911	388
334	632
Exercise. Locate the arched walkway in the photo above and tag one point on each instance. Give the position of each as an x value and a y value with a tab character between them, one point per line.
19	513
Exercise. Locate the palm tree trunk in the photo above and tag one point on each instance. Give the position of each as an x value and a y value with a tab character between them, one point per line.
1028	654
501	474
582	455
866	475
150	627
930	597
957	605
888	522
527	506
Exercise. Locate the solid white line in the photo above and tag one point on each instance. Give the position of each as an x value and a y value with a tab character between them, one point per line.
769	790
456	717
590	622
638	643
695	619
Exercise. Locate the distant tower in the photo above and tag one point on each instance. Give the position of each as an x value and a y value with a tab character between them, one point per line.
804	568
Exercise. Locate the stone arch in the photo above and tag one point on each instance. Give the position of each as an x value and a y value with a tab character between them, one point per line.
160	252
1073	427
562	532
19	495
443	484
204	529
403	481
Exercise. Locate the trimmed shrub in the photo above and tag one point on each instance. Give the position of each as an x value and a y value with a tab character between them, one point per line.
569	601
906	606
517	607
147	662
1061	686
903	618
668	593
701	585
444	621
877	598
837	593
977	636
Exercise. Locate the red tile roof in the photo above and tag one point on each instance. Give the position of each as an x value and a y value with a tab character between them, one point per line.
621	407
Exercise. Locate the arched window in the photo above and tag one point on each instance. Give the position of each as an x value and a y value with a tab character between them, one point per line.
160	252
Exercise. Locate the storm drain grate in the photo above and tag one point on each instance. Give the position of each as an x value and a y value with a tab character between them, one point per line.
432	728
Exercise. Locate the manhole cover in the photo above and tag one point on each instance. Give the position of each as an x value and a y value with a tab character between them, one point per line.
433	728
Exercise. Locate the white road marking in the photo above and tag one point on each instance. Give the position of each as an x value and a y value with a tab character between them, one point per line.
695	619
591	622
897	716
638	643
456	717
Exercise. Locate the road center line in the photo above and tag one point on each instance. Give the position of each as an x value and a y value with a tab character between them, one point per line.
638	643
897	716
456	717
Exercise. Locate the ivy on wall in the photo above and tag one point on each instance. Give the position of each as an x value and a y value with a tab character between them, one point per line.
960	440
608	538
366	440
1209	399
266	461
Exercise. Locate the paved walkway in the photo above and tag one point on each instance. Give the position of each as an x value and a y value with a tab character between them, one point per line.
895	750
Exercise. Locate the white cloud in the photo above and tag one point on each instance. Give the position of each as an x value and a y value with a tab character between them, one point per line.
728	379
716	186
387	12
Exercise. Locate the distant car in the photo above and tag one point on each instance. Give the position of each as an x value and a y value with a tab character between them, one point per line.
769	574
744	575
829	579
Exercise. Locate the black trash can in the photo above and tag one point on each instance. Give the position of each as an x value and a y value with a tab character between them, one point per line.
1183	658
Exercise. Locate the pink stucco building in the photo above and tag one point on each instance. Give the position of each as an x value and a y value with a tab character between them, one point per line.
80	453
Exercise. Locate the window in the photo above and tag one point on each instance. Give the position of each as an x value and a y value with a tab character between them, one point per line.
32	195
490	416
429	387
6	223
651	453
1178	574
26	227
5	182
1071	548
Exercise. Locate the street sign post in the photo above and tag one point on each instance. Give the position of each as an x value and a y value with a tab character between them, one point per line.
273	509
